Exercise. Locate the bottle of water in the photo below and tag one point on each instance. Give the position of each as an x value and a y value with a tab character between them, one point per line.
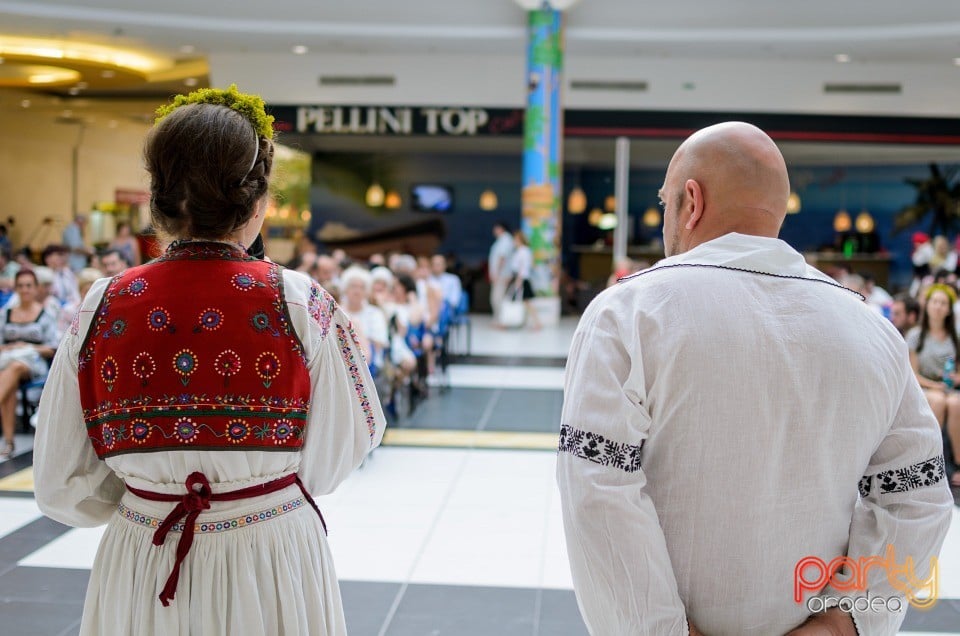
948	368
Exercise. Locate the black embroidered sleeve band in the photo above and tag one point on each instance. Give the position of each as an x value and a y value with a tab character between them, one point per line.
920	475
599	450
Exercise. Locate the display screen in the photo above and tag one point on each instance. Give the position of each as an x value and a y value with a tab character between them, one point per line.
430	197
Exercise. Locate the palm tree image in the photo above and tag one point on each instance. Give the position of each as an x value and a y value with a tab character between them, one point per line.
938	196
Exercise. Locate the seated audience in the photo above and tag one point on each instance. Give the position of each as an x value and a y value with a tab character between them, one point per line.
113	262
904	313
933	350
126	243
30	340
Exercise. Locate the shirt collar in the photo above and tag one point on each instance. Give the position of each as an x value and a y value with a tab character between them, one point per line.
742	251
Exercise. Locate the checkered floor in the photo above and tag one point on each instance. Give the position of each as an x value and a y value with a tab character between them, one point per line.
453	527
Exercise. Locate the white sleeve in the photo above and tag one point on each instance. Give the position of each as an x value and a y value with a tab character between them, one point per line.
905	504
346	420
72	485
621	570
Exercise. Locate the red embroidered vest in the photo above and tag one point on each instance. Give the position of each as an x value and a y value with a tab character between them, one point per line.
194	351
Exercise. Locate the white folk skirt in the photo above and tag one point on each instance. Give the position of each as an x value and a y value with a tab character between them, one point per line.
257	566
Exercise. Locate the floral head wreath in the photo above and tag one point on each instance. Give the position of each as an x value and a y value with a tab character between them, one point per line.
946	289
251	107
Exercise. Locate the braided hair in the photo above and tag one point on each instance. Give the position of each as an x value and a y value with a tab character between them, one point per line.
209	168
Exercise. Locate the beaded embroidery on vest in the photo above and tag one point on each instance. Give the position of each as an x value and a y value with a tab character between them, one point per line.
194	351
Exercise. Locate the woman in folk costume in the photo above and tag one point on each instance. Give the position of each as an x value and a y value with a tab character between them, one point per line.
198	400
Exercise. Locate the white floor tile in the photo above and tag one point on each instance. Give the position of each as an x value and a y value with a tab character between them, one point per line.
75	550
470	376
549	342
950	560
16	513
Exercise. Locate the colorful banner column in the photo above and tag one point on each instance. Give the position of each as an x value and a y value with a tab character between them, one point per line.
542	151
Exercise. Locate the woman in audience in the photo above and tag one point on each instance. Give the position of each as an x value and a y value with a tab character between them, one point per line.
30	340
521	267
126	243
356	283
933	354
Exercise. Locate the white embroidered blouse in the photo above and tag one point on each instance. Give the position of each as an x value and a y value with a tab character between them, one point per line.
727	413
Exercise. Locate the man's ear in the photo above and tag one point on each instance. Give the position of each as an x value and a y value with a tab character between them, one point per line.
694	203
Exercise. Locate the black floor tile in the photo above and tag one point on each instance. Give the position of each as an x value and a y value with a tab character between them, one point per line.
366	605
527	411
511	361
53	585
30	618
457	409
437	610
28	539
942	617
559	615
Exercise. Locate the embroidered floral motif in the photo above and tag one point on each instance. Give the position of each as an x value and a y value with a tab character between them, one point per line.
320	306
227	364
919	475
268	368
237	431
245	282
185	363
108	372
210	319
159	320
186	430
139	430
136	287
282	431
108	437
75	324
599	450
261	322
117	328
144	366
350	361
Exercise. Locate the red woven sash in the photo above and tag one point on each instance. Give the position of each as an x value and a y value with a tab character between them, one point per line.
196	500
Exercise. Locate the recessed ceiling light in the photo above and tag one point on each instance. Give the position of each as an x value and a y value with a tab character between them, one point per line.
187	48
190	81
25	103
299	49
956	61
67	113
74	91
107	74
82	85
843	58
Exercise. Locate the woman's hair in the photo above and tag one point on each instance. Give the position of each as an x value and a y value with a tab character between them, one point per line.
208	169
948	323
353	274
523	237
25	271
407	282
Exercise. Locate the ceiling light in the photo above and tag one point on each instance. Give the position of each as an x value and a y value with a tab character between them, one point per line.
25	103
652	217
107	74
610	203
843	58
488	200
187	49
608	221
577	201
67	114
56	49
793	203
82	85
299	49
74	91
842	221
864	222
594	217
375	195
392	201
190	81
956	61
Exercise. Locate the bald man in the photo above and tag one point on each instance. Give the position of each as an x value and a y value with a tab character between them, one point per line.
734	421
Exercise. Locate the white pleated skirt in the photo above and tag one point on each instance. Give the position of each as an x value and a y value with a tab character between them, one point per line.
257	566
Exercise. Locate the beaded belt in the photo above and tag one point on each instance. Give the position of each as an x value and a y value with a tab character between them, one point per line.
196	500
220	525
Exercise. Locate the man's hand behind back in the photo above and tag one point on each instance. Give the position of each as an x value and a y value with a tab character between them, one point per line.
833	622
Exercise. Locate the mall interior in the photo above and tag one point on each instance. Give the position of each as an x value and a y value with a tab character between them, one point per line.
407	128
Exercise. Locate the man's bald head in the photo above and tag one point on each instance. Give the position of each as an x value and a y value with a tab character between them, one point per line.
725	178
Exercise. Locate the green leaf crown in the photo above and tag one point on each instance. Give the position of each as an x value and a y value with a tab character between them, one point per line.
250	106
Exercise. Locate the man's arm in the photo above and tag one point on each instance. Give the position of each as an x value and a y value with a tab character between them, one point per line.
905	504
618	556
